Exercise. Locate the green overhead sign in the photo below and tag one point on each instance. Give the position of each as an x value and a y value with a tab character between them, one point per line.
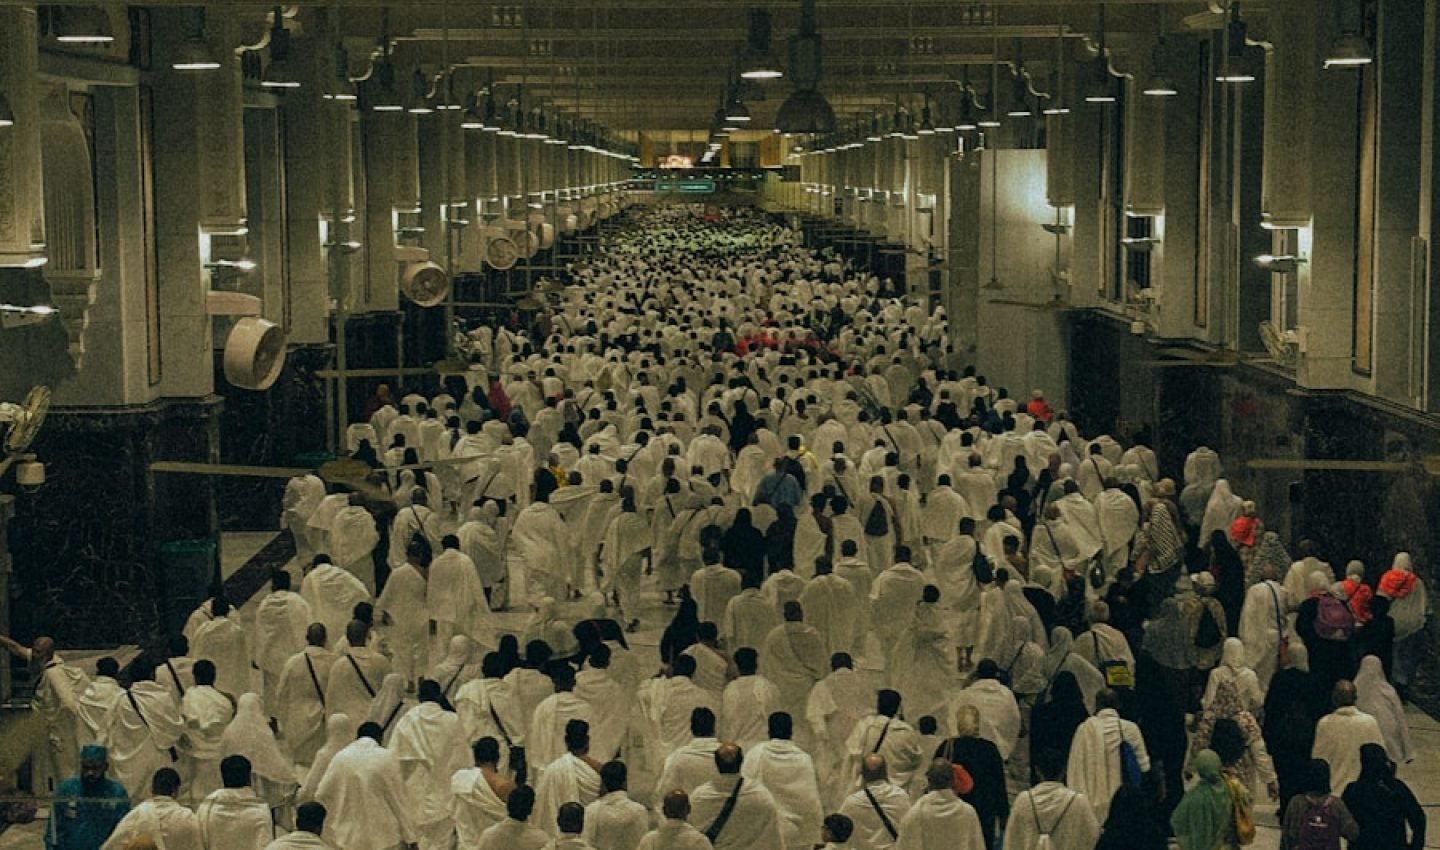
690	187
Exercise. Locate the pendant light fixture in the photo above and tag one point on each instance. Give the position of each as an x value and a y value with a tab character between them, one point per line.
1020	95
278	74
7	115
194	54
83	25
1100	88
1350	49
419	94
1159	84
735	109
1058	104
379	90
967	122
926	127
806	110
758	62
1234	67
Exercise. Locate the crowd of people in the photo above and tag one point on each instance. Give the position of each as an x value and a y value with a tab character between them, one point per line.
909	610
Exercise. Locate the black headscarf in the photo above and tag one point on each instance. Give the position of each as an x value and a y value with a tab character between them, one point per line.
683	631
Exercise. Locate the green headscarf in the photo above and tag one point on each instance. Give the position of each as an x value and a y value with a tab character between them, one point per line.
1203	816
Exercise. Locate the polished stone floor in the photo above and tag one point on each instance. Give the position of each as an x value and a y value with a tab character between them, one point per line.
1423	774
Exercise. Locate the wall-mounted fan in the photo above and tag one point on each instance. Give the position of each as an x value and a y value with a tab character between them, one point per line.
254	353
23	423
501	252
425	283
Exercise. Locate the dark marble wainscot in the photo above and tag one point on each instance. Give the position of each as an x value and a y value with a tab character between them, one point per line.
282	426
86	545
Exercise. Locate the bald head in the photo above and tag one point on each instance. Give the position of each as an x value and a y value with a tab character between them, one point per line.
43	650
728	758
873	768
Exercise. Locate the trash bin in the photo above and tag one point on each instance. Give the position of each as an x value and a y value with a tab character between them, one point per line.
188	569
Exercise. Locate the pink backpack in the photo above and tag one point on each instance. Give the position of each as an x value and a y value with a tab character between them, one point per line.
1333	619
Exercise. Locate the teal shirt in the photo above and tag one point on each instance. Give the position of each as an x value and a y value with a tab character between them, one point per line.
81	822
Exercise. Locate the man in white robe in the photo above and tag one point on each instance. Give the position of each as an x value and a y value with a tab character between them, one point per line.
893	597
145	731
885	733
1095	768
1051	809
1340	734
280	624
478	794
545	738
713	667
540	537
1119	519
1264	624
332	594
794	658
749	617
753	820
528	686
309	826
712	587
161	818
404	612
430	745
999	711
223	640
364	791
692	764
299	704
415	520
572	778
234	817
518	831
675	831
832	607
1103	642
95	703
943	509
876	810
940	820
836	704
455	598
597	686
355	676
1298	576
667	704
788	773
921	663
614	821
206	713
748	701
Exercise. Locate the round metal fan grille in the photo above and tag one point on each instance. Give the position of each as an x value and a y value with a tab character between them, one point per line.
254	353
501	253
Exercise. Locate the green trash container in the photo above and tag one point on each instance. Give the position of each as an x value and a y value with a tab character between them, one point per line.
188	569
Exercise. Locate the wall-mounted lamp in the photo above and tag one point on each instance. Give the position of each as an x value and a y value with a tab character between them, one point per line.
1282	264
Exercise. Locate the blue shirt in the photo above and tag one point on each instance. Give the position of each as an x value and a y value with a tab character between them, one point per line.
81	820
779	489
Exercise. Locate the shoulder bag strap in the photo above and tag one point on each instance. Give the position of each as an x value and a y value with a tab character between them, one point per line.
179	685
453	679
315	680
394	712
883	732
884	818
712	832
361	673
135	704
499	724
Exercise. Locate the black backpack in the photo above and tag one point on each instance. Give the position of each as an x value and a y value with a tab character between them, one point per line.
877	524
1207	633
